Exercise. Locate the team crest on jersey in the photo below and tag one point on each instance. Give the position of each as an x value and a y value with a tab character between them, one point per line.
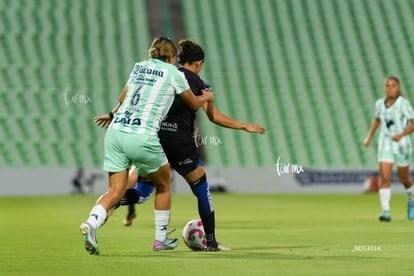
397	109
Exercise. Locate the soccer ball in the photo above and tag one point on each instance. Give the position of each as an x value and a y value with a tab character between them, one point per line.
194	236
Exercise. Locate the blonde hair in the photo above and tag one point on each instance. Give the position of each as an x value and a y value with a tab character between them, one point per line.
162	48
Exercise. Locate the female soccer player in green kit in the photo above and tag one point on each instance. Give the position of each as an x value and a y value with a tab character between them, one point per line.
396	117
132	138
177	139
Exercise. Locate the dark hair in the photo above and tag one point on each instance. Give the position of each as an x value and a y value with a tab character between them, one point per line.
397	80
162	48
189	52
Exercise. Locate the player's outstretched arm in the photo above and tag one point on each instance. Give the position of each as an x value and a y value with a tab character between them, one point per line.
406	131
105	120
194	102
374	126
222	120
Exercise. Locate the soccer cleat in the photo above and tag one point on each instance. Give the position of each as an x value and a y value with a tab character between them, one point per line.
130	217
217	248
89	238
168	244
410	210
385	216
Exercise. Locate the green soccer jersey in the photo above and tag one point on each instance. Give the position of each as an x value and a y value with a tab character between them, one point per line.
152	86
394	119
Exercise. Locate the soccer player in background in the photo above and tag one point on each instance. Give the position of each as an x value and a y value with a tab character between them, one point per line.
177	139
396	117
132	138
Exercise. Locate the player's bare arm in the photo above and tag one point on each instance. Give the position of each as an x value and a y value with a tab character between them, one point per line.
222	120
195	102
105	120
375	124
406	131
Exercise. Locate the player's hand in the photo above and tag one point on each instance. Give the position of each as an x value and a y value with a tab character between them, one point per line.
367	142
103	120
210	95
396	138
253	128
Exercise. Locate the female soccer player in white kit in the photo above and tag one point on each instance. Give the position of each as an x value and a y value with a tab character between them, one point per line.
396	117
132	138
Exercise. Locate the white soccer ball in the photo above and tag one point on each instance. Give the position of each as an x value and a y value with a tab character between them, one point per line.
194	236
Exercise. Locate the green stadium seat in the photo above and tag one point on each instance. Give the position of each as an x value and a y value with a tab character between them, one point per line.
297	67
58	153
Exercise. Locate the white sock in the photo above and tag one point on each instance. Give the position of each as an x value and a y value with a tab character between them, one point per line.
410	194
162	218
385	197
97	216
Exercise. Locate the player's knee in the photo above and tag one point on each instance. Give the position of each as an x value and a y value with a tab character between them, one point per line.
195	186
161	180
162	186
160	189
200	181
404	178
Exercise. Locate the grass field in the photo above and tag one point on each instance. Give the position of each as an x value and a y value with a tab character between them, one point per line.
269	234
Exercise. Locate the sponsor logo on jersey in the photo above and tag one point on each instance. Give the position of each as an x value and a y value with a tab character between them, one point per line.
145	75
144	70
389	123
185	162
128	121
169	126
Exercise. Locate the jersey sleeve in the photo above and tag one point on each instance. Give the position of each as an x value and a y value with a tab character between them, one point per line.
207	86
179	82
377	109
196	83
408	110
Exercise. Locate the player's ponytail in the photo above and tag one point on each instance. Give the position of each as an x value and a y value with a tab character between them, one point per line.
189	52
154	52
162	48
397	80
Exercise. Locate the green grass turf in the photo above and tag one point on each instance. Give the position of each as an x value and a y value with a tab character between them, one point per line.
269	234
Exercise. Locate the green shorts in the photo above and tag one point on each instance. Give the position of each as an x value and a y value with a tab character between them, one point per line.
399	159
123	149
